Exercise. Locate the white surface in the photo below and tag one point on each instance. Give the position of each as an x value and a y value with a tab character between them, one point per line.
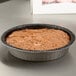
54	8
17	12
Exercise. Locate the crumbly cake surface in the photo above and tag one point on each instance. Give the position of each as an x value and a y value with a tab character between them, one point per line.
38	39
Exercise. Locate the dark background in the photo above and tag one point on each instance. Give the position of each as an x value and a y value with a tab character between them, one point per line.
1	1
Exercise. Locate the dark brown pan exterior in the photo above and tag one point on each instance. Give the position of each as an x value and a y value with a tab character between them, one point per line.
37	55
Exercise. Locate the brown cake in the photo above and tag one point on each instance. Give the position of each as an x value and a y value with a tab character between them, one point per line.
38	39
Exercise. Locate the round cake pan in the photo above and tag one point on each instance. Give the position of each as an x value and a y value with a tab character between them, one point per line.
37	55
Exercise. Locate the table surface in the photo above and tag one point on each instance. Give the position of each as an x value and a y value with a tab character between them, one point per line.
17	12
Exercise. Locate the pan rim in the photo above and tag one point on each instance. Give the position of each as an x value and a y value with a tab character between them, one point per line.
71	34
